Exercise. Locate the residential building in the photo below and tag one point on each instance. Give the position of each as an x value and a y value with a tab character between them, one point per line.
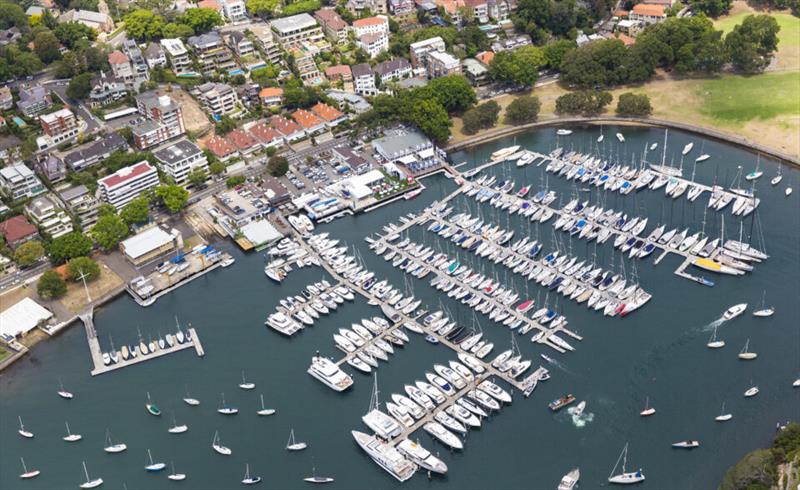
292	32
210	4
10	36
499	10
141	72
339	73
240	44
266	135
648	13
332	25
308	121
106	89
244	143
374	44
33	100
485	57
375	6
6	99
218	98
95	151
59	127
234	10
290	130
441	64
221	148
19	182
211	53
155	56
51	167
307	67
269	48
419	50
331	115
18	230
378	24
476	72
349	101
164	120
452	8
404	11
364	79
128	183
512	43
479	10
120	65
248	94
178	56
394	69
48	216
179	159
271	96
82	204
96	20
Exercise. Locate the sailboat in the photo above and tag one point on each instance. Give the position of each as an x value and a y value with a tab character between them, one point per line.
293	445
189	400
713	342
216	444
177	429
175	476
648	410
755	173
151	407
317	479
621	138
64	393
153	466
265	411
224	409
777	179
26	475
249	480
624	478
764	311
70	437
723	417
752	391
90	483
745	354
111	447
245	385
687	148
22	431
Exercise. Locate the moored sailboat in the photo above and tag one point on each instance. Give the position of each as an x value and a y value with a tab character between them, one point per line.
625	478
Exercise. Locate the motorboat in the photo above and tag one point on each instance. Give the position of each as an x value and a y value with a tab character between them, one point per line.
687	444
386	456
562	402
329	373
687	148
421	456
734	311
751	392
569	480
446	437
564	132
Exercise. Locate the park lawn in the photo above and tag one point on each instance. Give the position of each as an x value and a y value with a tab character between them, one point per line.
788	55
738	99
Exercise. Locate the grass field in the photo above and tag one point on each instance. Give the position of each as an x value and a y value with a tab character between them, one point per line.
788	56
732	98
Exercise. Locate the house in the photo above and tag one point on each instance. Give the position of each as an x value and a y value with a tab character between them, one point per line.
243	142
378	24
291	32
308	121
210	4
240	44
476	72
19	182
179	159
374	44
452	8
120	65
33	100
404	11
364	79
485	57
155	56
211	53
441	64
290	130
270	50
51	167
271	96
177	55
128	183
81	203
512	43
349	101
49	217
248	94
18	230
357	7
648	13
94	152
59	127
332	25
218	98
6	99
96	20
141	72
394	69
337	73
419	50
267	135
164	120
307	67
234	10
106	89
479	9
221	148
331	115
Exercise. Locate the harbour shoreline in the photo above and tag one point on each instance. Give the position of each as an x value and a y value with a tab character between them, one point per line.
495	134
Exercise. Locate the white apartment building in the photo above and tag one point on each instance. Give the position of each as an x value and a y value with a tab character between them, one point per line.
364	79
218	98
126	184
378	24
180	159
178	56
234	10
441	64
292	32
45	214
18	182
420	50
59	127
374	43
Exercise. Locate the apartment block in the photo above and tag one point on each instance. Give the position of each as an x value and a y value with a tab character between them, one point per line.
178	56
420	50
19	182
218	98
126	184
292	32
180	159
164	120
332	25
48	216
364	79
378	24
82	204
211	53
441	64
59	127
374	43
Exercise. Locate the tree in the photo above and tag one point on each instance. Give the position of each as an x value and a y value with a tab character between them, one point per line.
69	33
216	167
143	24
523	110
520	67
201	19
454	92
12	15
136	211
46	46
630	104
586	102
174	30
109	231
300	97
106	210
80	86
555	51
173	197
482	116
690	44
28	253
198	177
752	43
51	286
474	39
225	125
278	166
432	119
600	63
712	8
262	8
83	266
234	181
71	245
264	76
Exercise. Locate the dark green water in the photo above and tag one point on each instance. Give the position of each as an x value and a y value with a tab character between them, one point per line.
658	352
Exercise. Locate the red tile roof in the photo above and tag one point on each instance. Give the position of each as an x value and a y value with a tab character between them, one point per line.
220	146
126	174
621	13
117	57
485	57
17	228
331	18
338	71
269	92
210	4
369	21
651	10
264	133
326	112
241	140
626	40
284	126
306	119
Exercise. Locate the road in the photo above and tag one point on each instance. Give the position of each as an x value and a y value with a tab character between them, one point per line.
92	123
23	275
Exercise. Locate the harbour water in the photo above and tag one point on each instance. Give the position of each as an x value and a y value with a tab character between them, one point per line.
657	352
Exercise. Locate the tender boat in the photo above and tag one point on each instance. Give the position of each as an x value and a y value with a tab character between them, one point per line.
687	444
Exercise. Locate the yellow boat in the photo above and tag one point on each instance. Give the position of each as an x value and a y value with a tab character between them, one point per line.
712	266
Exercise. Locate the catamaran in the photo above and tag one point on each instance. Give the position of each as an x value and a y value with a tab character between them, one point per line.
28	474
90	483
624	478
22	431
217	446
153	467
293	445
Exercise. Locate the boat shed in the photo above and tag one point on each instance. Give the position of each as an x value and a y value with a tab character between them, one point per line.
260	233
22	317
150	244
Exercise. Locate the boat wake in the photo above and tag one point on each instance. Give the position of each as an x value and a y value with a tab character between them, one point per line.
711	326
560	366
580	420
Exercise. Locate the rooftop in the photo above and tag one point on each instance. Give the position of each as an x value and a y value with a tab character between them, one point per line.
264	132
22	317
306	119
326	112
648	9
271	92
331	18
294	23
174	47
117	57
402	143
125	174
391	66
145	242
110	142
241	140
177	152
74	192
219	146
370	21
16	228
361	70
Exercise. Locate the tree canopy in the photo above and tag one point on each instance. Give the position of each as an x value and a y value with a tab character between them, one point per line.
523	110
482	116
752	43
71	245
83	266
585	102
173	197
109	231
201	20
263	8
51	286
80	86
630	104
46	46
520	67
29	253
454	92
143	24
69	33
135	212
277	166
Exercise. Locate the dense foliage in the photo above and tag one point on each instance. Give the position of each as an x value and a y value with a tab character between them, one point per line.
523	110
135	212
542	19
51	286
583	102
482	116
277	166
752	43
630	104
29	253
173	197
758	469
109	231
520	67
71	245
83	266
